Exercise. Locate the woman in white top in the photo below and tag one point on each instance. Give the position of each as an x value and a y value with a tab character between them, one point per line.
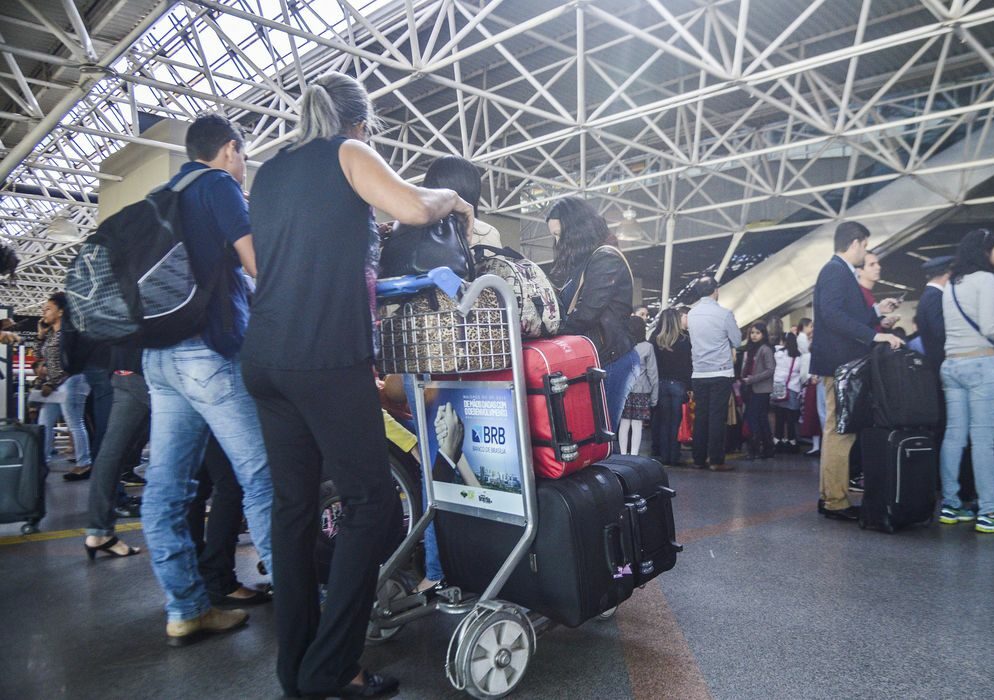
968	379
786	396
644	392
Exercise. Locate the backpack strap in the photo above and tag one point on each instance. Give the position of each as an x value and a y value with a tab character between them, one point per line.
480	250
187	180
973	324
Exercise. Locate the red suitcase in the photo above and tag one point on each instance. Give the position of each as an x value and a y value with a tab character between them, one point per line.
567	409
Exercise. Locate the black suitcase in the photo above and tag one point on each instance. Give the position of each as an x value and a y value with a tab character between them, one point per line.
649	514
899	468
22	474
576	566
905	391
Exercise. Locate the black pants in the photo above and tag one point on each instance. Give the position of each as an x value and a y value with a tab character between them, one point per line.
217	541
127	427
785	423
757	415
711	413
323	423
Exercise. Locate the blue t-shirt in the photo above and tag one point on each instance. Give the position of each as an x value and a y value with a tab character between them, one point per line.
215	214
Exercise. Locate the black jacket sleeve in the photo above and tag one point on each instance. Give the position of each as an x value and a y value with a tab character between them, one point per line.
604	273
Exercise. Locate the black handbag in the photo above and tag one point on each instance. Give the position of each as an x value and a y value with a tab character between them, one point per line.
414	250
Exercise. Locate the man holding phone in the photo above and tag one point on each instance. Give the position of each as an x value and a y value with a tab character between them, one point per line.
846	331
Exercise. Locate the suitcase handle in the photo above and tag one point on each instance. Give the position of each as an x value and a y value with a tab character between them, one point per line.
554	388
595	381
614	545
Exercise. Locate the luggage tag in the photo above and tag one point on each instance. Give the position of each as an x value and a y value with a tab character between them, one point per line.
623	571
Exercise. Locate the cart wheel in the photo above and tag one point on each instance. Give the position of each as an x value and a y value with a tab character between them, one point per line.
608	614
394	590
29	528
493	654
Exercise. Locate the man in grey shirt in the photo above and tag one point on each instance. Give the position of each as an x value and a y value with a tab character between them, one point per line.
713	336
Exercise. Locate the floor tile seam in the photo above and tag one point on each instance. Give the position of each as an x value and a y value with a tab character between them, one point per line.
740	523
650	676
61	534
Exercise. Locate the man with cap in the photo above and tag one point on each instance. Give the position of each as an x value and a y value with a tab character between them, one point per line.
931	326
932	331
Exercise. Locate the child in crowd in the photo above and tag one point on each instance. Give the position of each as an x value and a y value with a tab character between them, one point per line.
757	382
644	392
786	396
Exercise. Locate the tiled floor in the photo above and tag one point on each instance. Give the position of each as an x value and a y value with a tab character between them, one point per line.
769	600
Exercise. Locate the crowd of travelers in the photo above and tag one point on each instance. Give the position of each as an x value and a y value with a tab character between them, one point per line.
283	392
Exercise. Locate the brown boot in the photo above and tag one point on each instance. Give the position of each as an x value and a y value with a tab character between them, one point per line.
214	621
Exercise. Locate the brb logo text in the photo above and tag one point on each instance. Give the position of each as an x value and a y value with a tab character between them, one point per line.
489	435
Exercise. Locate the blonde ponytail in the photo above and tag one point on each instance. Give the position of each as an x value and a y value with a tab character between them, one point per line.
318	116
331	105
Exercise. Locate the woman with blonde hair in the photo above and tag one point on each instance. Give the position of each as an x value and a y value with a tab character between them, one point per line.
307	361
674	365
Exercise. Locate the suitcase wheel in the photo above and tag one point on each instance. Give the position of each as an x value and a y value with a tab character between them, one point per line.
376	633
29	528
493	650
608	614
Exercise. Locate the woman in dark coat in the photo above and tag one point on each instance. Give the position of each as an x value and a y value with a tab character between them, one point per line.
595	286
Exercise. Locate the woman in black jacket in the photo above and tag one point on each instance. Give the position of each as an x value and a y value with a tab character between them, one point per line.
673	360
595	286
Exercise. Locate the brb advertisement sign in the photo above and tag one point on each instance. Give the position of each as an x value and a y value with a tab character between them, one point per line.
473	445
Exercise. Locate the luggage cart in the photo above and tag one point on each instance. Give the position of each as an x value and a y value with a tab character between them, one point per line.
490	649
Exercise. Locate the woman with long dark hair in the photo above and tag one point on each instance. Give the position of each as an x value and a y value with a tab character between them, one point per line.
595	286
757	374
675	366
312	211
968	379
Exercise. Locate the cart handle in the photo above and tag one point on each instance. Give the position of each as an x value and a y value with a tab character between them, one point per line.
475	289
442	277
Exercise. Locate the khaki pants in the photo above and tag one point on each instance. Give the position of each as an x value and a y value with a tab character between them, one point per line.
835	448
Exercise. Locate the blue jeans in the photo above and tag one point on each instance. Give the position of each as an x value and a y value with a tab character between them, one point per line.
621	375
72	400
433	564
194	389
969	387
669	414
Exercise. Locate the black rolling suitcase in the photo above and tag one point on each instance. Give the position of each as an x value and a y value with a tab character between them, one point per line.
905	391
576	567
22	474
648	514
899	468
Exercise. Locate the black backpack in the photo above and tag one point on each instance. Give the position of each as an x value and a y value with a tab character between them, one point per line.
133	277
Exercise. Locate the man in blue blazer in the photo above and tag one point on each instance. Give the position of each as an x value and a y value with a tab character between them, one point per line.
845	332
931	325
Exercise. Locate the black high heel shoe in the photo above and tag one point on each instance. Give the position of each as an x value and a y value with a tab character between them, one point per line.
91	552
